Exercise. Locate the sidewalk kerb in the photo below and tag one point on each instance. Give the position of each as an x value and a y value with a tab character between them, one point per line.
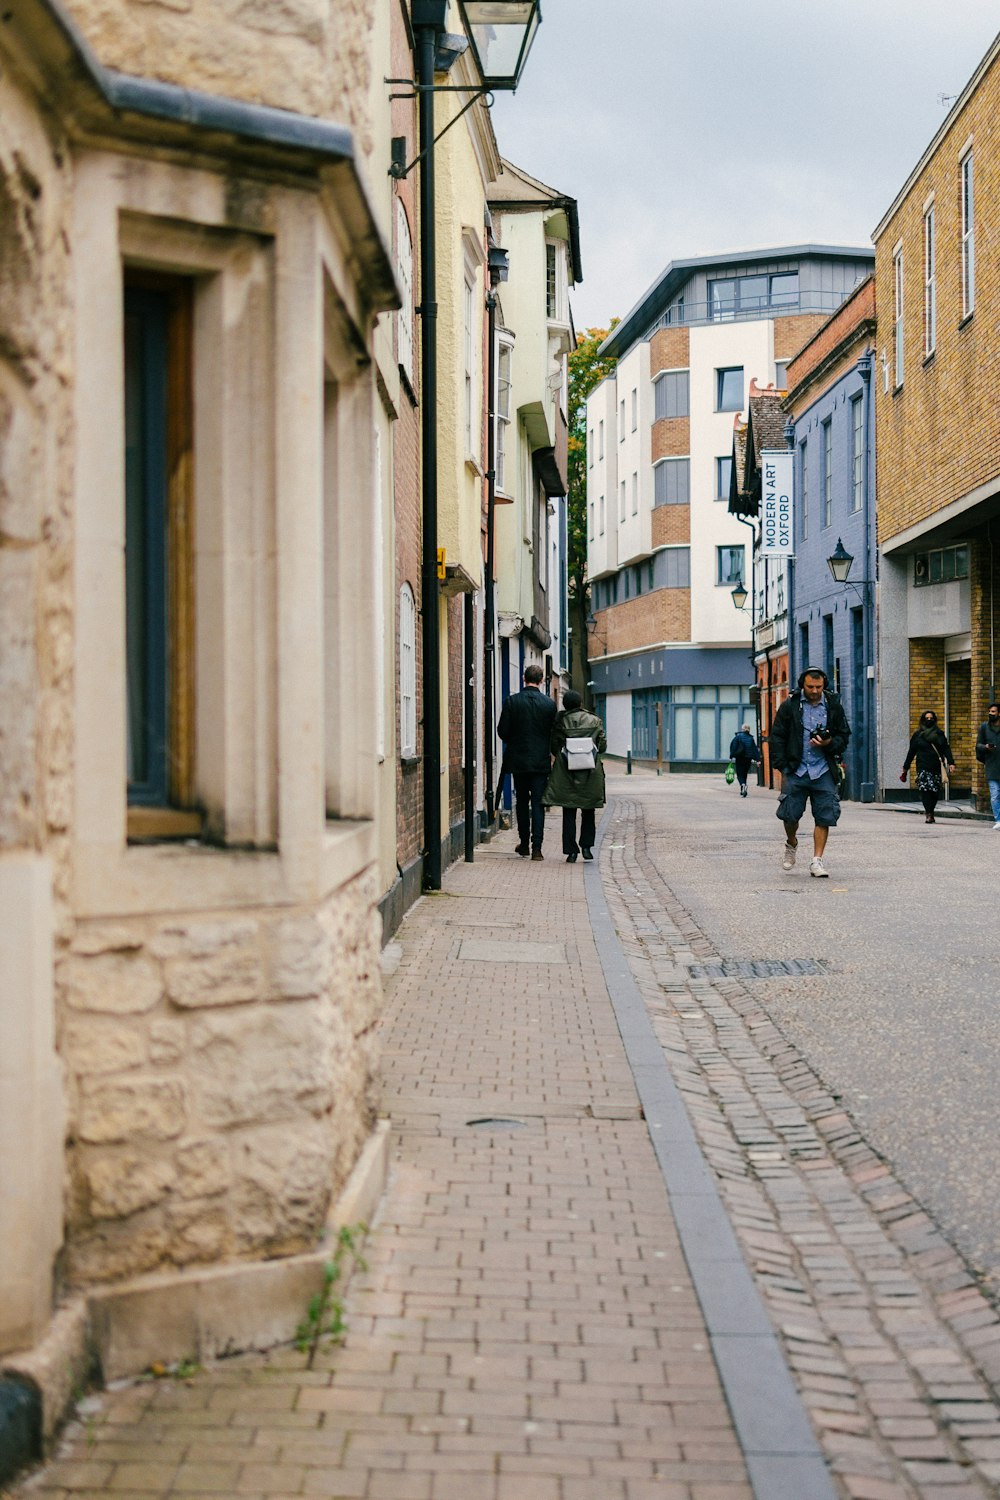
783	1457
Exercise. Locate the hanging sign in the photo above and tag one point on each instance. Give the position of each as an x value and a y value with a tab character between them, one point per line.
777	530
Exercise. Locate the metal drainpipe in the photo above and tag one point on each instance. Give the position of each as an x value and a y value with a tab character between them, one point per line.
426	36
489	603
470	732
864	368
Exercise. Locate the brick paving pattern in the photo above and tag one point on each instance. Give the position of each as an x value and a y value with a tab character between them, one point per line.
894	1347
526	1328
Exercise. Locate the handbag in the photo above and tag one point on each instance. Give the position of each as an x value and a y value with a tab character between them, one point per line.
580	753
730	774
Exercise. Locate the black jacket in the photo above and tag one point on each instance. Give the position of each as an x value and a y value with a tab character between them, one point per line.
785	738
743	746
929	751
988	750
526	728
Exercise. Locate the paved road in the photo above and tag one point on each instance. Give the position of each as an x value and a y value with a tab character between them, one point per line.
906	1026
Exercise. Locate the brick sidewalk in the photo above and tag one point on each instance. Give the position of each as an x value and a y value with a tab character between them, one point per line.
526	1328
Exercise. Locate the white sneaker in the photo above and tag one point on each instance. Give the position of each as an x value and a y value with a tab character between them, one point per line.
788	863
996	825
818	869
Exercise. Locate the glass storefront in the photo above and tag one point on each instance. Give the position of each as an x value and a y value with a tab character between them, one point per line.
698	722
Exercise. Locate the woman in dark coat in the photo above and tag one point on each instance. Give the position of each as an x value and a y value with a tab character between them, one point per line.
572	790
930	749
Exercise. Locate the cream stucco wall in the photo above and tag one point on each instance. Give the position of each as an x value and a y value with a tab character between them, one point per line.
713	347
634	528
602	480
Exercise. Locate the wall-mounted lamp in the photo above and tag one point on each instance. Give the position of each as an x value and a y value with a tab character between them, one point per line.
739	594
501	33
839	562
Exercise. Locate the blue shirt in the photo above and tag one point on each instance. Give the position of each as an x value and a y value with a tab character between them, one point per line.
814	761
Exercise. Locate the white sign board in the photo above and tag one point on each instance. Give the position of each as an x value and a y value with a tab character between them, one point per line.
777	530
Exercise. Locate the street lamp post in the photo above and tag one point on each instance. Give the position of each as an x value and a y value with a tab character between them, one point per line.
500	34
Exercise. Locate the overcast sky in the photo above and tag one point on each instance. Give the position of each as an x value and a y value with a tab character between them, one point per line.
686	127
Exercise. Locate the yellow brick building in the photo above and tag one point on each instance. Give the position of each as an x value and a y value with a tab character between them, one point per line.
938	435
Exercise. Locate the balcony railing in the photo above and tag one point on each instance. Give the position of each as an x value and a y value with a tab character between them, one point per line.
749	308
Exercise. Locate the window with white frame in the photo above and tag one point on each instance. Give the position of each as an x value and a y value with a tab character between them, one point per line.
600	439
930	286
968	236
672	482
897	313
590	449
621	510
407	673
621	421
555	281
671	394
804	488
635	493
857	453
600	515
590	517
404	269
826	486
728	565
635	408
505	356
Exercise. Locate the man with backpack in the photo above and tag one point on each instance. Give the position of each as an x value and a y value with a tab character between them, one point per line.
744	753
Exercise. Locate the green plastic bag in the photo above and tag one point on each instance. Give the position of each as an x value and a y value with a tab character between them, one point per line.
730	774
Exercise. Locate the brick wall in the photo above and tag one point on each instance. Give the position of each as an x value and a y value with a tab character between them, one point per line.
848	323
671	438
671	523
791	333
663	615
669	349
950	399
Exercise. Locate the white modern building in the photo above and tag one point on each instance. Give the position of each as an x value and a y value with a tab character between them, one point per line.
664	552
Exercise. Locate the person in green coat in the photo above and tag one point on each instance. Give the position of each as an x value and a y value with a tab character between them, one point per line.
572	790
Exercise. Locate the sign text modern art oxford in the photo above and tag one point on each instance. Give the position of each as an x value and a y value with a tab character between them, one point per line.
777	533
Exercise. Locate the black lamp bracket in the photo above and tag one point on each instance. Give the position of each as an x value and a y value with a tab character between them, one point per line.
398	167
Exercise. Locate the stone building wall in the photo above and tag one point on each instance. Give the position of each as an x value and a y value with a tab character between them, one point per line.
218	1080
306	55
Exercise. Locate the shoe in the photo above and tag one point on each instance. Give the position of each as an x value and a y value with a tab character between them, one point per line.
537	854
996	825
522	850
743	791
929	818
571	859
788	862
587	853
818	869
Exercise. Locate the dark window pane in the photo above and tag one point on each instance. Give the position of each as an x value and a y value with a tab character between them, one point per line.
784	288
729	390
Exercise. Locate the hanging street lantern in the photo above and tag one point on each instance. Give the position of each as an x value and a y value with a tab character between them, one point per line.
501	33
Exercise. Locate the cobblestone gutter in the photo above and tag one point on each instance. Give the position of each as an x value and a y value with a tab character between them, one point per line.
893	1345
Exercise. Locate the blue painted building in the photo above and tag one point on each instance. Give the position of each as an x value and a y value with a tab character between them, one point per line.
830	406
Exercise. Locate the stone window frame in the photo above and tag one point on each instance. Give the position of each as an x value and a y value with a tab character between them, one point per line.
262	657
967	217
930	279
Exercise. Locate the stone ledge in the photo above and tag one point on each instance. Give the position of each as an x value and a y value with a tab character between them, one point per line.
201	1314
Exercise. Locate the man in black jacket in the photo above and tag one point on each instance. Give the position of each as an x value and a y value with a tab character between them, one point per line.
526	727
988	754
808	736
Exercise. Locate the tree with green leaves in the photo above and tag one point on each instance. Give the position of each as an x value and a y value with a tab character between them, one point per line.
586	371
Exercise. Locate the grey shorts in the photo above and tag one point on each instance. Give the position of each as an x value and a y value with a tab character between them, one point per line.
796	791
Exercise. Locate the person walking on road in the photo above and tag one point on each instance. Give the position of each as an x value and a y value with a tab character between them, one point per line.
526	728
988	754
930	749
582	788
808	736
744	752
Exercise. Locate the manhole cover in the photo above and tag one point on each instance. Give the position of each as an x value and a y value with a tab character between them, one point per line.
758	968
495	1123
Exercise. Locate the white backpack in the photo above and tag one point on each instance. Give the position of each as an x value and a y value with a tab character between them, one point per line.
580	753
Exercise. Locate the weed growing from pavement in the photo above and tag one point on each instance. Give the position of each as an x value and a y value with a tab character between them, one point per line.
325	1314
